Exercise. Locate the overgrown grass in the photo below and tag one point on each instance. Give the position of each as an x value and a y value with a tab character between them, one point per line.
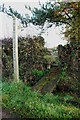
19	98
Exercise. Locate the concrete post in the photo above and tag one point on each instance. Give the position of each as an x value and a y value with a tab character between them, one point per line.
15	50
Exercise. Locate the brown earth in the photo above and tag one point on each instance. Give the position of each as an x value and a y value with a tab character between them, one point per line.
7	114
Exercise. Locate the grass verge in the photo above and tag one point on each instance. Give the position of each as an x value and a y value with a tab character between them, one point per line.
19	98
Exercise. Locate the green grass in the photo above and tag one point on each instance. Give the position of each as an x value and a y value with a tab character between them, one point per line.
19	98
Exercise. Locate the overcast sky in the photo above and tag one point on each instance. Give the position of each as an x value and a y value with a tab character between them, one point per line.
52	36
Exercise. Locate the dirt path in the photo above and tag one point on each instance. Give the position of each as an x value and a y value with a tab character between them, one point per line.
7	114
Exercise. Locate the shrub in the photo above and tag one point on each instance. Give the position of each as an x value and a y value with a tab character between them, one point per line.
31	53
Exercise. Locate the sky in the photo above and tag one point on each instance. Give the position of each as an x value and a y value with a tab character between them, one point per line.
51	36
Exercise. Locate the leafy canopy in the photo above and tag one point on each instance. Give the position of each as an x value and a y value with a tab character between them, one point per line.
60	13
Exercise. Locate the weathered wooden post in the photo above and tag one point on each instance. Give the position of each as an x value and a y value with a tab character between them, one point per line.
15	50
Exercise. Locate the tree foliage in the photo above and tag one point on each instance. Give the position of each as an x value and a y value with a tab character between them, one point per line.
60	13
24	19
73	32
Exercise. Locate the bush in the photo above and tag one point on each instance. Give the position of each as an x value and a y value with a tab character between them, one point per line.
31	51
19	98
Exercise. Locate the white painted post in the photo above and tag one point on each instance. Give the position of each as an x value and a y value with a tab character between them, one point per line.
15	50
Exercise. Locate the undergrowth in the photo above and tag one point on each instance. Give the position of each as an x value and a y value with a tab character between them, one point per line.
19	98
